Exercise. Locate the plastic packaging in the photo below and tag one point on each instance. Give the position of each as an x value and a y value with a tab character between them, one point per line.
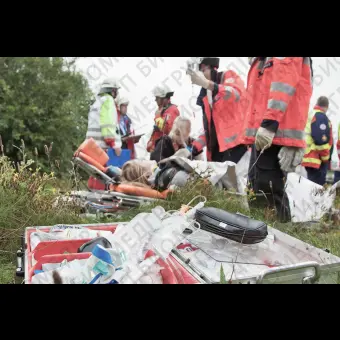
66	233
90	246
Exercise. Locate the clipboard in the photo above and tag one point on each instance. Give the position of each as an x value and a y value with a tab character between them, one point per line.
132	137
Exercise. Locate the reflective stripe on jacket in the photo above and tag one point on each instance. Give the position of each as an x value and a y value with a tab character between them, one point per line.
279	90
103	122
319	140
225	113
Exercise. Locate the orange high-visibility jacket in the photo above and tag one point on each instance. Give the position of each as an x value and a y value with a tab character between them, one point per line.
226	114
279	91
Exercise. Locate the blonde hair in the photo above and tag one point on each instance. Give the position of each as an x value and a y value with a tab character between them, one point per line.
135	174
176	134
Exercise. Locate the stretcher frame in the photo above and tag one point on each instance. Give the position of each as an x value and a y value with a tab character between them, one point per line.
122	201
94	172
119	201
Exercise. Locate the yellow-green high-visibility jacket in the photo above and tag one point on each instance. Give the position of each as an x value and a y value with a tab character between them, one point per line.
319	139
103	124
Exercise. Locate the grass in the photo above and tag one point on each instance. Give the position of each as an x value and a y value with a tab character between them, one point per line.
28	198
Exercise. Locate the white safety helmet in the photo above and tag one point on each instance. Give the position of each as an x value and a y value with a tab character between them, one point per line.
162	92
122	101
109	84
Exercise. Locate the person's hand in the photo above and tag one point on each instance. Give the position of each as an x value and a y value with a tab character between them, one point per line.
290	158
136	139
118	152
264	139
183	153
198	78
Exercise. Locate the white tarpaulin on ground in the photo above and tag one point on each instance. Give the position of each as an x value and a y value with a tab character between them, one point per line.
226	175
308	201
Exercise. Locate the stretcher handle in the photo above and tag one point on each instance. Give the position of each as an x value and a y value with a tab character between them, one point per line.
20	272
291	268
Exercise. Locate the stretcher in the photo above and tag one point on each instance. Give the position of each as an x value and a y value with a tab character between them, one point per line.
30	261
93	160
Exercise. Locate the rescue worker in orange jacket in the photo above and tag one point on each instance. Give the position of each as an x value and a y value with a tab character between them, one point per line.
220	100
278	98
320	145
165	115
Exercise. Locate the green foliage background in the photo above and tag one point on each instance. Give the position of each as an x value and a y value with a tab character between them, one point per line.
43	100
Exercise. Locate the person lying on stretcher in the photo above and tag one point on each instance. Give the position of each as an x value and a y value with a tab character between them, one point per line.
177	171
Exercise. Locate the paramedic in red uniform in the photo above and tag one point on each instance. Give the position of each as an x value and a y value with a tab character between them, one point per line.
220	99
278	99
165	116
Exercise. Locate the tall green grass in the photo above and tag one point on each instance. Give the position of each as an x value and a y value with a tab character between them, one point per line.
27	198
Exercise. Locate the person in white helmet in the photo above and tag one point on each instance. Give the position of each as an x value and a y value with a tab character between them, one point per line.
125	126
103	124
165	115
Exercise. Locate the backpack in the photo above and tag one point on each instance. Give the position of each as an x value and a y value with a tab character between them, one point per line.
165	176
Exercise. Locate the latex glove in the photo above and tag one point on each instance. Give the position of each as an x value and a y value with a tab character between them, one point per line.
264	139
290	158
160	123
198	78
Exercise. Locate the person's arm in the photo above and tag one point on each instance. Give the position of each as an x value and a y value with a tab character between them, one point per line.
169	118
286	74
226	91
321	134
109	124
198	145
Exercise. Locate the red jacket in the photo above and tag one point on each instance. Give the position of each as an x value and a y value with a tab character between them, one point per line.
169	114
226	113
279	93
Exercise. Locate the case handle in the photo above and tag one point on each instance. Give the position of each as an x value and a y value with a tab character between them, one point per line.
284	269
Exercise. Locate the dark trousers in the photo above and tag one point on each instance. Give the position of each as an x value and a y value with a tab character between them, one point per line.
318	176
233	155
267	179
336	177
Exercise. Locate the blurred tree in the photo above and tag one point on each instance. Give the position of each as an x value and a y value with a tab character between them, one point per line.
43	100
